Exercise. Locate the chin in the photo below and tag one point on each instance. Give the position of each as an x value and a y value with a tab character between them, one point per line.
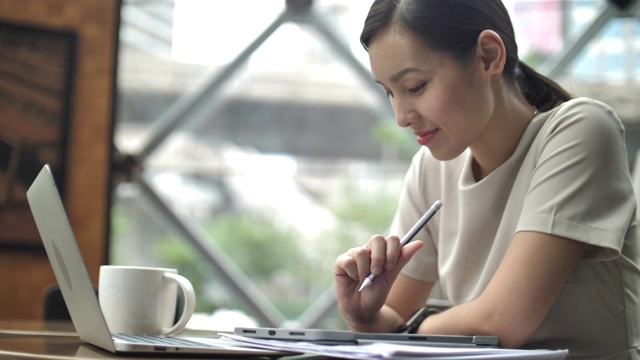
444	155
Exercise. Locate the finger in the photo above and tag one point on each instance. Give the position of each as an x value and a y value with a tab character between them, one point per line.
392	252
346	265
362	257
407	252
377	245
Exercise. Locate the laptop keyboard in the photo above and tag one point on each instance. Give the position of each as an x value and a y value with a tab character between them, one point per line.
155	340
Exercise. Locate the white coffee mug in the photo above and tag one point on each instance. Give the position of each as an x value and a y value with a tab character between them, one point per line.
142	300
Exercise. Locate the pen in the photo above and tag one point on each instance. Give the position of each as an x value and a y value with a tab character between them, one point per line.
409	236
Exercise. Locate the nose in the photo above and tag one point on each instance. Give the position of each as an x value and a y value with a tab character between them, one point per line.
406	117
406	113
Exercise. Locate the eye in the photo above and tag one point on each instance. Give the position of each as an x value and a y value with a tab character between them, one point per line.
387	92
417	89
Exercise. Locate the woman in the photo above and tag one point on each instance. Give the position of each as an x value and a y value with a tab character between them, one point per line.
536	241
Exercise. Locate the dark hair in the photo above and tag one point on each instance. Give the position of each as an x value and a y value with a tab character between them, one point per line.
452	27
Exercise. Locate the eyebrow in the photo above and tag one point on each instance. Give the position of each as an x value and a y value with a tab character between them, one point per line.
397	76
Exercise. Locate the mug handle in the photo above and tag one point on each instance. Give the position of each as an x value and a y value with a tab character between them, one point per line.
189	302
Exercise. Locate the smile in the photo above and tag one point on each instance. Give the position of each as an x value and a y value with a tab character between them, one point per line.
425	137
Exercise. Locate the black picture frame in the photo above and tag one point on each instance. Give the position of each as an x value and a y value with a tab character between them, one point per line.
36	86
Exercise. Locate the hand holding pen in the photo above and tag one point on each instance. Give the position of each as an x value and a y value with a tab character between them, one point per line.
409	236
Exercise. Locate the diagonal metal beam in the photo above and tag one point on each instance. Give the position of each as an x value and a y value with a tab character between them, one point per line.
181	110
557	65
327	302
319	310
384	108
185	111
239	283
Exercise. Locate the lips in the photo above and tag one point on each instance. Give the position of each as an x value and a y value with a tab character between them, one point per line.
425	137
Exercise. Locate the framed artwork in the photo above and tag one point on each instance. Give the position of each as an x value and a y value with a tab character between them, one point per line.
36	78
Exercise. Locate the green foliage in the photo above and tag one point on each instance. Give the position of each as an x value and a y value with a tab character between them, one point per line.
389	133
119	223
178	254
291	270
372	213
257	245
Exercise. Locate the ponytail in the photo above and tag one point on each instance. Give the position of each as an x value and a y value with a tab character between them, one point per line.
539	90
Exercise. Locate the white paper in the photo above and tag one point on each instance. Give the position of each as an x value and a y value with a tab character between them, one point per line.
382	350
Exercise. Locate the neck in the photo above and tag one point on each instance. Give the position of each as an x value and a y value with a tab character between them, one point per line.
509	120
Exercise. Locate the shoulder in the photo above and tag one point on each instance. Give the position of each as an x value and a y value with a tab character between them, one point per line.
584	122
585	111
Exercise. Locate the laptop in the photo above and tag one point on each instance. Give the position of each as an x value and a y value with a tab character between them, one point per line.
337	337
80	297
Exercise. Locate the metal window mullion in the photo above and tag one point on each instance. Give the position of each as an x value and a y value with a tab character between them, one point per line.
383	109
266	313
556	65
181	110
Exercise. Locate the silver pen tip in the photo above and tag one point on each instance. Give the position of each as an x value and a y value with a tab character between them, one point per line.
365	283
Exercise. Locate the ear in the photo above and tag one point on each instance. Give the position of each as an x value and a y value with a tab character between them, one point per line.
491	51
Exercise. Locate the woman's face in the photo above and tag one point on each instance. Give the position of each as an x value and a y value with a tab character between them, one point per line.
447	106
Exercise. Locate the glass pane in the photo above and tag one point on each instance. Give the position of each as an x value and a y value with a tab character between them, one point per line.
290	163
294	157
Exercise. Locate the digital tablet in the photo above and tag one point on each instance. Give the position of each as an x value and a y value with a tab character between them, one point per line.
345	336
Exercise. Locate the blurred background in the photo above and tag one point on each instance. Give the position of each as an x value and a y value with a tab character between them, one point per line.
242	142
265	150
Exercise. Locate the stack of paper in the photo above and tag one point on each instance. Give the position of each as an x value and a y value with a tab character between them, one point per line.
398	351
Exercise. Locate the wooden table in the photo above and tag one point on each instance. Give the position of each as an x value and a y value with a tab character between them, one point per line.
58	340
39	340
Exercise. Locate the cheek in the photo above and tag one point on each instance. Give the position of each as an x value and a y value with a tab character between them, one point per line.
457	104
448	105
460	113
467	101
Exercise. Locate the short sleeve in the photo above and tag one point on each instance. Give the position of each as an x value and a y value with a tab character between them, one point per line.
580	187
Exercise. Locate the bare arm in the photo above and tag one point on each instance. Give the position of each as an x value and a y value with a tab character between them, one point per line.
405	298
520	294
408	295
